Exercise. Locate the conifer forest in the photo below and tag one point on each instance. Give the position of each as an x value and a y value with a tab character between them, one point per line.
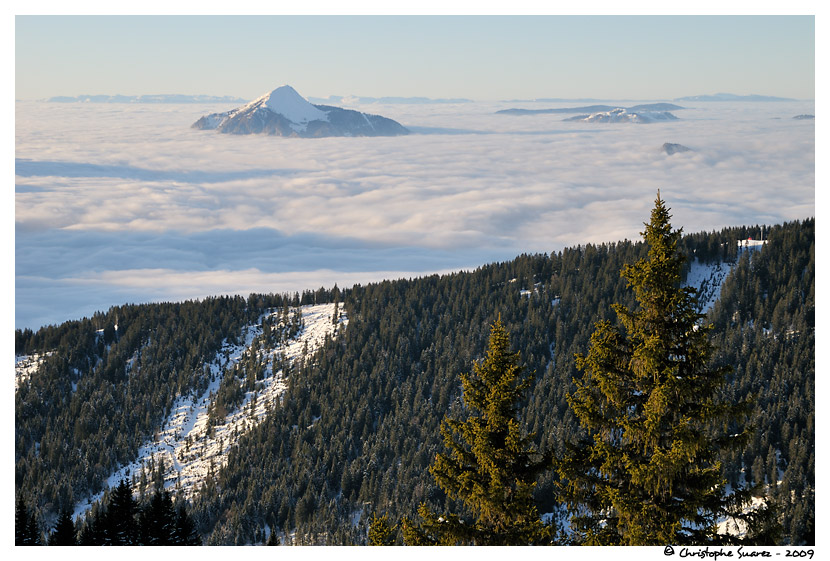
586	396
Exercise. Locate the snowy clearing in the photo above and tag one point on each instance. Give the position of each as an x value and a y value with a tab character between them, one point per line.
708	279
25	366
186	447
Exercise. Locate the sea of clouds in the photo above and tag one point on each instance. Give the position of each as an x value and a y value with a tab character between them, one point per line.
118	203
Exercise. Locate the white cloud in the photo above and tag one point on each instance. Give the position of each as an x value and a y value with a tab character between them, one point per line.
104	191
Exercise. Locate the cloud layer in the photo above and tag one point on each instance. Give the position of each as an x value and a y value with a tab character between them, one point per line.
127	203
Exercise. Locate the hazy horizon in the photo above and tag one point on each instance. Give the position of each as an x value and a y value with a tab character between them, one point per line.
391	99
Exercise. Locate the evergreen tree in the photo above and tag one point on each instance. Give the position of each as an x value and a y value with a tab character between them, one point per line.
185	530
649	474
21	522
158	520
492	467
380	532
273	539
64	533
381	388
122	528
26	530
92	531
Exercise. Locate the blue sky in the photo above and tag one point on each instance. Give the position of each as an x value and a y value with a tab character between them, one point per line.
478	57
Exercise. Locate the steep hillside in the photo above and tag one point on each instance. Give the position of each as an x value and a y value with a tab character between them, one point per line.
247	381
356	427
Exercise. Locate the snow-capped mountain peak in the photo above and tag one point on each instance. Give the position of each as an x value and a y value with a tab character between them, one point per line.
622	115
284	112
287	102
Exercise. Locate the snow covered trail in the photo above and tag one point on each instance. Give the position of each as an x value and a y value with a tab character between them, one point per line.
186	447
708	279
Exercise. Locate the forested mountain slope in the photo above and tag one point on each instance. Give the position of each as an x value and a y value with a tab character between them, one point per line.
357	426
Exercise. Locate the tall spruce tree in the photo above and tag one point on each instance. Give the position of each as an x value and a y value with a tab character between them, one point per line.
492	467
26	530
184	532
157	521
649	472
122	526
64	533
93	527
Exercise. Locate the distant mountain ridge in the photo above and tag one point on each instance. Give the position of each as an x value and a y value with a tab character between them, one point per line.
153	98
733	97
284	112
391	100
592	109
620	115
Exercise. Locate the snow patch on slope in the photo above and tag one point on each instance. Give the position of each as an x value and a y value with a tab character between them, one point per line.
738	528
186	445
708	279
26	365
283	101
287	102
621	115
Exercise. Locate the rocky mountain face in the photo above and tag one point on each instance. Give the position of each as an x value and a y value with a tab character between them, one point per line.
284	112
672	148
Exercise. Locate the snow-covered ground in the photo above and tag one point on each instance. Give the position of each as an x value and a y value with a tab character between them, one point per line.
738	528
287	102
621	115
708	279
25	366
185	445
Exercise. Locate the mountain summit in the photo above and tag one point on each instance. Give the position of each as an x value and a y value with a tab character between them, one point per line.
621	115
284	112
